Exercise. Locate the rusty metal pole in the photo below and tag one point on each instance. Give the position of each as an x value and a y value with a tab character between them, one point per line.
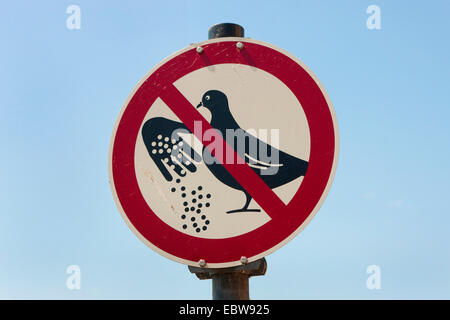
230	283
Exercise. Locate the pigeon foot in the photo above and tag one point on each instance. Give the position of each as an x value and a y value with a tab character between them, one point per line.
244	210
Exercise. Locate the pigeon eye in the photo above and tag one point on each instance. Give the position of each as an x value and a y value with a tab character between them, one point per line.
207	98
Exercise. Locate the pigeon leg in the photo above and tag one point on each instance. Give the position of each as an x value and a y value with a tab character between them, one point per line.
245	208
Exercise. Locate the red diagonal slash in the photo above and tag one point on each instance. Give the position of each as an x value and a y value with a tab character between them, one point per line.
243	174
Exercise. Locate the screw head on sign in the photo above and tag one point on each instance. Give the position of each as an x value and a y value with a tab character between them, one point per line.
244	260
202	263
199	50
240	45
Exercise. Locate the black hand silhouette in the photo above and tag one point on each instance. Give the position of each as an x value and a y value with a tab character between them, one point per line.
166	147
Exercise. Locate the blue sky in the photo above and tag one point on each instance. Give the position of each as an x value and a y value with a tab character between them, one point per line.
62	91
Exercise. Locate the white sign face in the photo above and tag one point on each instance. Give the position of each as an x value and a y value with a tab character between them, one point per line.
255	98
223	153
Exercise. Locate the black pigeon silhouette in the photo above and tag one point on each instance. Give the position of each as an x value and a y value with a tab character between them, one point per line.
285	169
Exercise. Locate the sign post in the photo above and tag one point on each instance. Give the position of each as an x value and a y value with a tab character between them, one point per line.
194	179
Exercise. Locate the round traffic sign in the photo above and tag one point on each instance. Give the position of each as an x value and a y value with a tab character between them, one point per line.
224	150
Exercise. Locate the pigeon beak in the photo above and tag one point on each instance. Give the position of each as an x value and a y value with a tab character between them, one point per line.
199	105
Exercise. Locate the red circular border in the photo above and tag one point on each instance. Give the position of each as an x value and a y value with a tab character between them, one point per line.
253	243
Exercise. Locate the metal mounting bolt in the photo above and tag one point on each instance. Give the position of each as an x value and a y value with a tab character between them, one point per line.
202	263
199	50
244	260
240	45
